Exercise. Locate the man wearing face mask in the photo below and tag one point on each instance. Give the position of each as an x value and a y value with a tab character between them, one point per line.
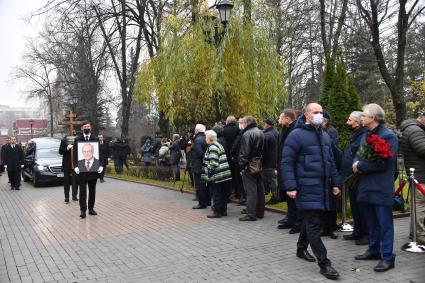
86	178
310	176
360	232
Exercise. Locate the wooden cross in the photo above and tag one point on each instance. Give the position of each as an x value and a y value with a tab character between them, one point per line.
71	123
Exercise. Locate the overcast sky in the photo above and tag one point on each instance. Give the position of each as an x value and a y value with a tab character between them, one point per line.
14	33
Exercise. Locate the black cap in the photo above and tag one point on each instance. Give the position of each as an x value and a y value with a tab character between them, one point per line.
269	122
326	115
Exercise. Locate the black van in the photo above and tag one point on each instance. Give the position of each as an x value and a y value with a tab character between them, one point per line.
42	162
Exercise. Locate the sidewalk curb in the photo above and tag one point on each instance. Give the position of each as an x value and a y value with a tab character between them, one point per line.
350	221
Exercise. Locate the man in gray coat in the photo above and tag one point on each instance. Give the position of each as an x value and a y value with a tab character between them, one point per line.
412	144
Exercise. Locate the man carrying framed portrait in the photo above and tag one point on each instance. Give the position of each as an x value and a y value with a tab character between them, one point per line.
87	166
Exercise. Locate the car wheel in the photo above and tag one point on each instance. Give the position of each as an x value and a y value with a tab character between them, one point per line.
24	177
35	181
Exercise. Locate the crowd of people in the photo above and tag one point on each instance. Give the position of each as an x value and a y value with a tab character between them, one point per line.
303	166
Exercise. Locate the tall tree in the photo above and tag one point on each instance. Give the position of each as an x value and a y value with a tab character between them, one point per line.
374	16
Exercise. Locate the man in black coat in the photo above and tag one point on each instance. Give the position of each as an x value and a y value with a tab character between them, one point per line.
156	146
268	161
234	156
3	148
294	217
230	132
103	155
14	161
86	178
69	179
360	233
251	148
199	147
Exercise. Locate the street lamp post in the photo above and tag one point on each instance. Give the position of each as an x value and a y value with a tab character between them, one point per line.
31	123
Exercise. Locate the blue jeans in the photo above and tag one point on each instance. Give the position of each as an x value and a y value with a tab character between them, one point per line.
381	230
176	171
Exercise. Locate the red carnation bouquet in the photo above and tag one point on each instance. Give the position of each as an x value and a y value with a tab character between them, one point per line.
375	149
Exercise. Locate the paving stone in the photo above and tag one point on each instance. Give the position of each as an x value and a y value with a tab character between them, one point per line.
144	233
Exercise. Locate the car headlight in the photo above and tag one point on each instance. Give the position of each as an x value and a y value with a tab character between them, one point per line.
40	167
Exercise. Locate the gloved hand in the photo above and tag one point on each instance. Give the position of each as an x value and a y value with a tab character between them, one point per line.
22	166
76	170
100	170
69	147
5	166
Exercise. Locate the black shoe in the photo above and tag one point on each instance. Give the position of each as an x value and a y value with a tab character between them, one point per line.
224	213
214	215
305	255
329	272
92	212
67	200
285	226
260	216
83	214
362	242
294	230
17	188
350	237
243	211
368	256
247	218
74	198
102	181
333	236
283	221
384	265
199	207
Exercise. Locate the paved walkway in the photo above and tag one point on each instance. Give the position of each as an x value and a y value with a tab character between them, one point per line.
148	234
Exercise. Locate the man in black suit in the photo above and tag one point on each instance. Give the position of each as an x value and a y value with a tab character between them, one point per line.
88	178
14	161
69	179
103	154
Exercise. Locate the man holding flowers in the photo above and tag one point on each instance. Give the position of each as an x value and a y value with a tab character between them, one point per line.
375	164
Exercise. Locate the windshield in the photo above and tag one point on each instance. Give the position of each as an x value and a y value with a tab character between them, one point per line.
44	153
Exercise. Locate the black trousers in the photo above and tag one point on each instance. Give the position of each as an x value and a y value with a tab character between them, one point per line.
295	216
220	193
202	193
70	180
14	178
83	193
358	213
310	234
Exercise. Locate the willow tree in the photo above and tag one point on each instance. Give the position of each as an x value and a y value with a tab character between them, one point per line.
194	78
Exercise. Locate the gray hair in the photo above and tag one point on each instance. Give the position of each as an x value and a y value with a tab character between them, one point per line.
230	120
308	107
249	120
88	144
357	115
375	111
199	128
176	137
211	135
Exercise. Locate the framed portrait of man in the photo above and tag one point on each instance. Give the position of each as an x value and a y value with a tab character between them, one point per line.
88	156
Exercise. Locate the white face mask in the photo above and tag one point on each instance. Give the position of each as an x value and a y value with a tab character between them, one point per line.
317	119
240	127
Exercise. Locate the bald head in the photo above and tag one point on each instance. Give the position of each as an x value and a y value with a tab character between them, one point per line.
311	110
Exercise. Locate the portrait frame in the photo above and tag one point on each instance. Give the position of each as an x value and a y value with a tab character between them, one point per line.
88	150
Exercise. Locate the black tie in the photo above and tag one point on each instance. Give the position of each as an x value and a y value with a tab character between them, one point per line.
87	138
